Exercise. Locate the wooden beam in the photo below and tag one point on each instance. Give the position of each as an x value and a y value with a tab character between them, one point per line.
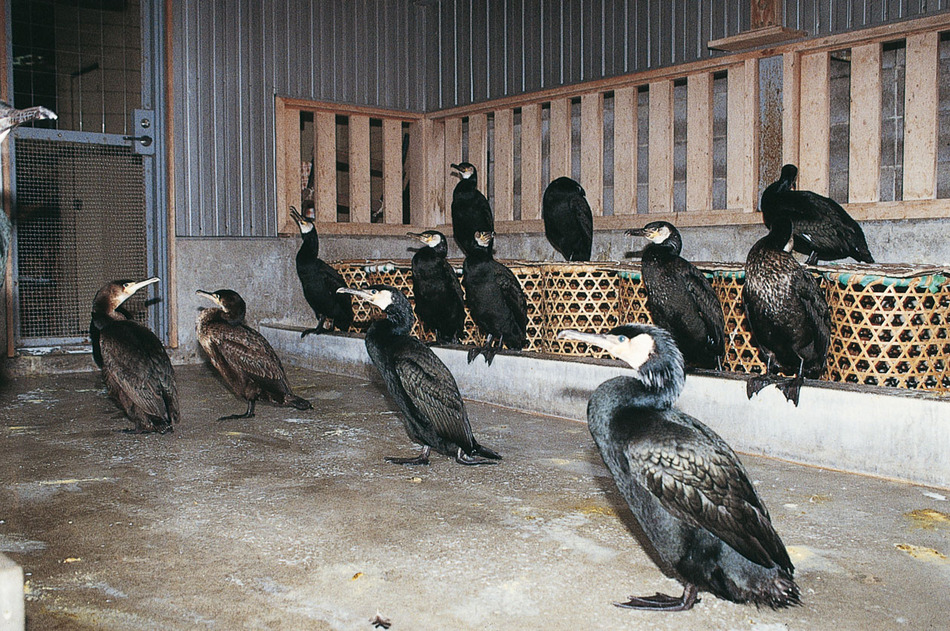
661	147
453	155
504	175
864	161
814	147
592	150
920	116
324	193
478	148
699	142
531	184
560	136
791	107
287	167
625	151
360	187
742	137
392	170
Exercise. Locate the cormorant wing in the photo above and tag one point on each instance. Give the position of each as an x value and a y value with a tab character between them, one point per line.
581	209
513	295
431	388
708	306
245	349
815	305
134	360
698	478
452	278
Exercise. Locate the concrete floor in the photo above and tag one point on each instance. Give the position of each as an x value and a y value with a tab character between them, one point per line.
292	520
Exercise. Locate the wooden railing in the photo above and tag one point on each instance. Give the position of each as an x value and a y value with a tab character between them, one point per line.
520	143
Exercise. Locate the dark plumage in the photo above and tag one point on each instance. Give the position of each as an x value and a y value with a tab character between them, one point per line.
436	289
495	299
471	212
320	281
823	229
686	487
243	357
424	389
135	366
568	223
786	310
680	298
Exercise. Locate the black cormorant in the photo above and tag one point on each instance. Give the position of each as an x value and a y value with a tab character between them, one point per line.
424	389
436	289
823	229
320	281
568	223
786	310
680	298
471	212
686	488
135	366
245	359
495	299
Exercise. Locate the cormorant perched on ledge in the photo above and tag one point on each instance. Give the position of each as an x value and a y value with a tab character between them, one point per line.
495	299
135	366
245	359
320	281
568	223
680	298
686	487
424	389
823	229
438	296
787	311
471	212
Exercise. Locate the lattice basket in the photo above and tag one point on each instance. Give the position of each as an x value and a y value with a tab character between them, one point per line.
890	326
742	355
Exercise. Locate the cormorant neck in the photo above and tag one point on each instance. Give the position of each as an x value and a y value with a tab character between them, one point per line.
400	318
311	242
666	250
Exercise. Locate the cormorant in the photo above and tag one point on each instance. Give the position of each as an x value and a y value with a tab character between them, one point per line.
495	299
823	229
320	281
471	212
424	389
135	366
786	310
680	298
245	359
568	223
436	289
685	486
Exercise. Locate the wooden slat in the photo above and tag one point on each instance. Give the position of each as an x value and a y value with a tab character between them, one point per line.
478	148
287	123
814	139
504	175
741	137
392	171
592	150
359	170
531	184
417	167
625	151
920	117
699	142
791	107
453	155
661	147
325	173
560	135
864	168
435	206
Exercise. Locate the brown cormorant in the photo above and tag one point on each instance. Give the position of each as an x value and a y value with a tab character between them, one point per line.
686	488
320	281
568	223
471	212
135	366
680	298
424	389
245	359
823	229
786	310
495	299
436	289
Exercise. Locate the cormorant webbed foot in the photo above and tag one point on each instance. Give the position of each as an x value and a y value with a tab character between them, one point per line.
791	388
248	413
315	330
471	460
663	602
755	384
473	353
421	459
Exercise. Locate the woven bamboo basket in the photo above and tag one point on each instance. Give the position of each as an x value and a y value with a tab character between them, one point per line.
742	355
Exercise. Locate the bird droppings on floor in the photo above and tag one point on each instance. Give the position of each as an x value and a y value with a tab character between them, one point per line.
292	520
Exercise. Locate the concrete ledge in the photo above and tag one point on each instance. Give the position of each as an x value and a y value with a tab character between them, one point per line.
900	435
12	614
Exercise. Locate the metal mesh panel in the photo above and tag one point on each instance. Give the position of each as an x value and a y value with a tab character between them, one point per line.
80	217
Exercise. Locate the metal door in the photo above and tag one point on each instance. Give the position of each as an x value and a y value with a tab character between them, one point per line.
86	205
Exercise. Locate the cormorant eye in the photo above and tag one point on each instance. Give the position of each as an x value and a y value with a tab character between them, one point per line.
621	338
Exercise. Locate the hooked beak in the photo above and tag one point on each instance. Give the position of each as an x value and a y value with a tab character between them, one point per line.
296	215
131	288
637	232
362	294
592	339
208	294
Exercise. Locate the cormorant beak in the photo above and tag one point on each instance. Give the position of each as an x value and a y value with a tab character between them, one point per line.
634	352
208	294
636	232
303	223
425	238
380	298
128	289
484	239
456	171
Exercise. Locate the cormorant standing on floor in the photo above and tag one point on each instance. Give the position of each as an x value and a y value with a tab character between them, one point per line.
243	357
786	310
568	223
686	488
680	298
424	389
436	289
823	229
320	281
471	212
135	366
495	299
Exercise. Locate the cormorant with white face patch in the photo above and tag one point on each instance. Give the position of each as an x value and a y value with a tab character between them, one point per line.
440	303
471	212
320	281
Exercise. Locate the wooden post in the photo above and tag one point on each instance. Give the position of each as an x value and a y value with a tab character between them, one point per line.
324	194
920	117
699	142
791	107
360	197
864	168
478	148
453	155
560	136
392	170
436	208
661	147
625	151
287	166
814	147
592	151
531	185
742	177
504	176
